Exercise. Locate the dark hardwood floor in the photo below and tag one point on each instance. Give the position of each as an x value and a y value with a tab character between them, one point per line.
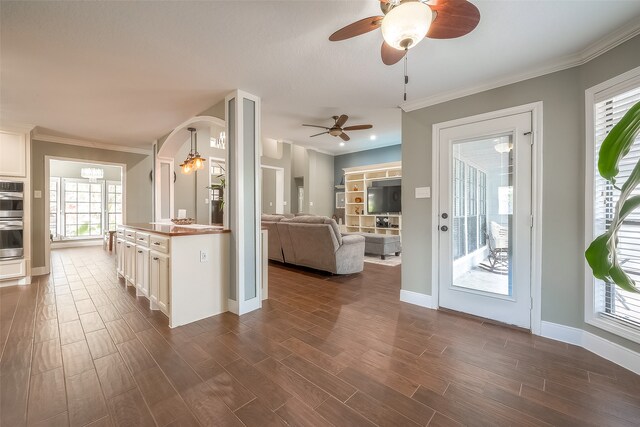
79	349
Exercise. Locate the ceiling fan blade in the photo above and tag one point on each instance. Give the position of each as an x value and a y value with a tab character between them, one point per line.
316	126
344	136
317	134
454	18
358	127
390	55
341	120
359	27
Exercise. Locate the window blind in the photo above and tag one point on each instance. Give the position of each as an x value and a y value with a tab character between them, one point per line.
611	301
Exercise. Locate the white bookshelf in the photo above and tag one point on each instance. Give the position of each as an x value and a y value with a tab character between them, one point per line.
356	182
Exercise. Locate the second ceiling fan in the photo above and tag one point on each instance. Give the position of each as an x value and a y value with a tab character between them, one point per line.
406	22
337	128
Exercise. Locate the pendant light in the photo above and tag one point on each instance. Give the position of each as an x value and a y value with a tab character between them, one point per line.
194	161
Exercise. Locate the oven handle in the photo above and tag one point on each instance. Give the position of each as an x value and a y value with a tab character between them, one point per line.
11	225
11	196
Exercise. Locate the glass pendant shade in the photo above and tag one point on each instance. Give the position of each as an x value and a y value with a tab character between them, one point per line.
405	25
194	161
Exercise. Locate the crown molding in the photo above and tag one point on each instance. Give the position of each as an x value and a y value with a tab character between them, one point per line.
16	127
89	144
596	49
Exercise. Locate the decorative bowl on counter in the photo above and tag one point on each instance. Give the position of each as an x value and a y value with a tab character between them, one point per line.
183	221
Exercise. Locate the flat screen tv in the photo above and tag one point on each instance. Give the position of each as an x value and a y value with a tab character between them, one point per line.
384	200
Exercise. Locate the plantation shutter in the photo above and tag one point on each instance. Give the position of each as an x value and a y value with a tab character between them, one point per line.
611	301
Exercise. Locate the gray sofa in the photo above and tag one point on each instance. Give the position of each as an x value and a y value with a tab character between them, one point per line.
315	242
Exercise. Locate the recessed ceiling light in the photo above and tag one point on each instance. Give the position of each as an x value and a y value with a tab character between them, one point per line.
342	144
372	137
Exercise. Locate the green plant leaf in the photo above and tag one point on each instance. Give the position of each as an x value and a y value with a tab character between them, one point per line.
622	279
618	143
599	257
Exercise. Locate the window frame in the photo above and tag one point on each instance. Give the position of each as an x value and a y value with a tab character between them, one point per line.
605	90
63	213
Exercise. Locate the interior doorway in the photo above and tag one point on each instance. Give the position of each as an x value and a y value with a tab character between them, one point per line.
272	179
485	218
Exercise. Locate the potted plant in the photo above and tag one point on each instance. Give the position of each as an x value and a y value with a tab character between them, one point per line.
602	253
220	186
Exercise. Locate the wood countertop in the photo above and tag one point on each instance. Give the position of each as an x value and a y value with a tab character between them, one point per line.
177	230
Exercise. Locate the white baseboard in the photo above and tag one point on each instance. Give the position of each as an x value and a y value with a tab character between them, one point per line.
76	243
416	298
16	282
616	353
39	271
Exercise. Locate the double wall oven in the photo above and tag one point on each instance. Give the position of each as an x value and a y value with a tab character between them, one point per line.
11	220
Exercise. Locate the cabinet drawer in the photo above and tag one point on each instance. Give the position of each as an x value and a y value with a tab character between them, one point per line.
120	233
142	239
12	269
129	235
159	243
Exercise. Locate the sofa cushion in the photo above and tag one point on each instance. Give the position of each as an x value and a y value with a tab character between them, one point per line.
271	218
313	219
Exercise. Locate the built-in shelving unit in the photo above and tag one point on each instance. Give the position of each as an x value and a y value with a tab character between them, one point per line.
356	181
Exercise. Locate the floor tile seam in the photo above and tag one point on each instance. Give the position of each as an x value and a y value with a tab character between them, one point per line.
15	309
33	343
164	373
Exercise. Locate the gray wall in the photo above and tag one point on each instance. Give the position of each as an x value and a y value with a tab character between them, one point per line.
563	240
320	184
393	153
268	190
138	185
190	191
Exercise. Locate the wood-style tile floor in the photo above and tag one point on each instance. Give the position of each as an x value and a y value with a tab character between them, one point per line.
78	348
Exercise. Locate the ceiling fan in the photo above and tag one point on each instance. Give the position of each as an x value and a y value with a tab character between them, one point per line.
337	129
406	22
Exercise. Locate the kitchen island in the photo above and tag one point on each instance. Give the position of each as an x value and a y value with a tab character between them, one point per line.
182	270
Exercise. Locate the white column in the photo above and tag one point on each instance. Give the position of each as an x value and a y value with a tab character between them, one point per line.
242	200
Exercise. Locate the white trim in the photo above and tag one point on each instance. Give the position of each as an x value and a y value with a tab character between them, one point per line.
536	109
601	46
168	142
39	271
593	95
416	298
76	243
16	282
157	183
242	306
45	190
616	353
90	144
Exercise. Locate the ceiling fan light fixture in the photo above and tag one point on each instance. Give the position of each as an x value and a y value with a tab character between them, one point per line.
406	24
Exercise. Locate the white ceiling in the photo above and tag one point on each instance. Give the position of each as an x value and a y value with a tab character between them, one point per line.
128	72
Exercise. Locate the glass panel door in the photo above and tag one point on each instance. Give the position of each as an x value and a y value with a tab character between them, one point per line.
485	219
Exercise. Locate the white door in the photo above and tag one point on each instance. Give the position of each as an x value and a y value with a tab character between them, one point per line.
485	219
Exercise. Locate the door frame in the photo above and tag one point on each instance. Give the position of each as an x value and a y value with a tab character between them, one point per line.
46	196
535	109
279	186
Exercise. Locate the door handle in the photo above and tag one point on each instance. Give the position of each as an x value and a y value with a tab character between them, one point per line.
444	228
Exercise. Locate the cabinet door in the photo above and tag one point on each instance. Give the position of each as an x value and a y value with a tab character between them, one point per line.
13	147
159	282
163	285
142	270
129	263
119	257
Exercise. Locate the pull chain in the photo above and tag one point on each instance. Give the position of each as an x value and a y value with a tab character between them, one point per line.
406	77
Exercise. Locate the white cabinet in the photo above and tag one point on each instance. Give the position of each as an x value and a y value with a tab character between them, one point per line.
142	271
13	161
12	269
120	257
129	262
159	282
